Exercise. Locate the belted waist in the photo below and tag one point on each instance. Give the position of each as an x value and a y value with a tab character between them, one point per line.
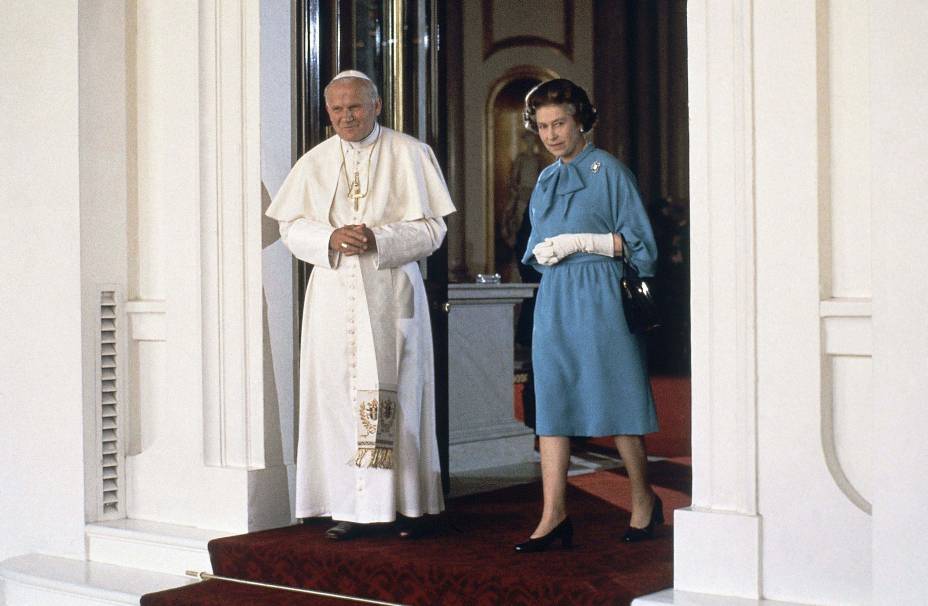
587	258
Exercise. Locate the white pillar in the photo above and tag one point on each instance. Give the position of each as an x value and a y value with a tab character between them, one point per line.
717	540
201	380
230	180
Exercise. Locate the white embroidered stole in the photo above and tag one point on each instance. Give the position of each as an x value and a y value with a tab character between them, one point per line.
376	401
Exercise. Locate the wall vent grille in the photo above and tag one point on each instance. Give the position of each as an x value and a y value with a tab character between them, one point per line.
111	454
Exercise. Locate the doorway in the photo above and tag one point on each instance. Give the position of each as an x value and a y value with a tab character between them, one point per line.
452	74
630	55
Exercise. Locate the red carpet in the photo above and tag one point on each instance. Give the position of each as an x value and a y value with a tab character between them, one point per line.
467	561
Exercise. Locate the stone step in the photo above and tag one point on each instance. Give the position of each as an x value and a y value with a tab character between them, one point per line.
152	546
42	580
674	597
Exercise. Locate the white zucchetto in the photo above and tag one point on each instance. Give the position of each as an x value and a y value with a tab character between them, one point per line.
351	73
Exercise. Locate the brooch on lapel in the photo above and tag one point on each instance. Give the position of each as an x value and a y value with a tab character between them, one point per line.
595	166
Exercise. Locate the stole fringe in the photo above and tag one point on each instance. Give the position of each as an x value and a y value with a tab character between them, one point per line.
375	458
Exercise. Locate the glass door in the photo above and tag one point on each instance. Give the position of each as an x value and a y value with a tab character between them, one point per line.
395	42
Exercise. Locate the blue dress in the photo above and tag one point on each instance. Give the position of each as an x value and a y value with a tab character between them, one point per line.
590	372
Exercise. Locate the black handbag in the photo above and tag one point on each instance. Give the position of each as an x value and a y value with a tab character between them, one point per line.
637	299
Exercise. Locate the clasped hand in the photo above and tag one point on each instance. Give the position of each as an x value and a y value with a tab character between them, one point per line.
352	240
557	248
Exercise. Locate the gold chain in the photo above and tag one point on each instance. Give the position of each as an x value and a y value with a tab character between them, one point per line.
354	188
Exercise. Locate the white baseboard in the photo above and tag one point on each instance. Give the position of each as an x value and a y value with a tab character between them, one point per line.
716	553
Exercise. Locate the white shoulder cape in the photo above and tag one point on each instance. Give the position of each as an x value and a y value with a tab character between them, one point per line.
407	183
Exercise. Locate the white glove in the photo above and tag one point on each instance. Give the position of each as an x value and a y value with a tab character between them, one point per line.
557	248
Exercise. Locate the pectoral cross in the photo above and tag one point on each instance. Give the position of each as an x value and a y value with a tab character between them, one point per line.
355	192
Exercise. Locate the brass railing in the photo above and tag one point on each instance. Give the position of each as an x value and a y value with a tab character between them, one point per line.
205	576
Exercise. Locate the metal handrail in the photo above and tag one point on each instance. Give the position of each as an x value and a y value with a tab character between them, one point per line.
208	576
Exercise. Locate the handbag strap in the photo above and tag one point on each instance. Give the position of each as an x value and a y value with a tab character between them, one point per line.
628	269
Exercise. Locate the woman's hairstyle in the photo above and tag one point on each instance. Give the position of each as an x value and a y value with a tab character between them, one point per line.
559	92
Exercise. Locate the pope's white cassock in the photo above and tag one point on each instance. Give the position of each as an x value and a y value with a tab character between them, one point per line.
366	335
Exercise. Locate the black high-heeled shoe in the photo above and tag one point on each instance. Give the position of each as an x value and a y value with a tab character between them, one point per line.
633	535
563	531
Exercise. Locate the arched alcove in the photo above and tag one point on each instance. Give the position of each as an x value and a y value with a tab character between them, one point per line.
514	156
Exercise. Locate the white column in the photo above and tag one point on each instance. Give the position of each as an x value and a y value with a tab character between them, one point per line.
717	540
230	180
201	380
167	480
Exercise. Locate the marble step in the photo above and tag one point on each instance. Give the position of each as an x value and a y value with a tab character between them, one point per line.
673	597
153	546
42	580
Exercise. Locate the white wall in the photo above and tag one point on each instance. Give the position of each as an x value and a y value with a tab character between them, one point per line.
41	452
899	184
114	137
104	173
798	90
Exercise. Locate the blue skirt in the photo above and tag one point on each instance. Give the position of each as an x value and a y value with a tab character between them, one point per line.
590	372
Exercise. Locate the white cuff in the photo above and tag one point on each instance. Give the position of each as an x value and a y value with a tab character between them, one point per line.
598	244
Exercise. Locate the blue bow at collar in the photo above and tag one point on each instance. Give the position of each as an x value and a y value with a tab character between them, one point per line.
566	178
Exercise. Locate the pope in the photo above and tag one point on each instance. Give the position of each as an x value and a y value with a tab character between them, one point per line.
363	207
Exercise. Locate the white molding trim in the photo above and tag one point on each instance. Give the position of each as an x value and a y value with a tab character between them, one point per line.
847	330
147	319
846	307
828	424
231	233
